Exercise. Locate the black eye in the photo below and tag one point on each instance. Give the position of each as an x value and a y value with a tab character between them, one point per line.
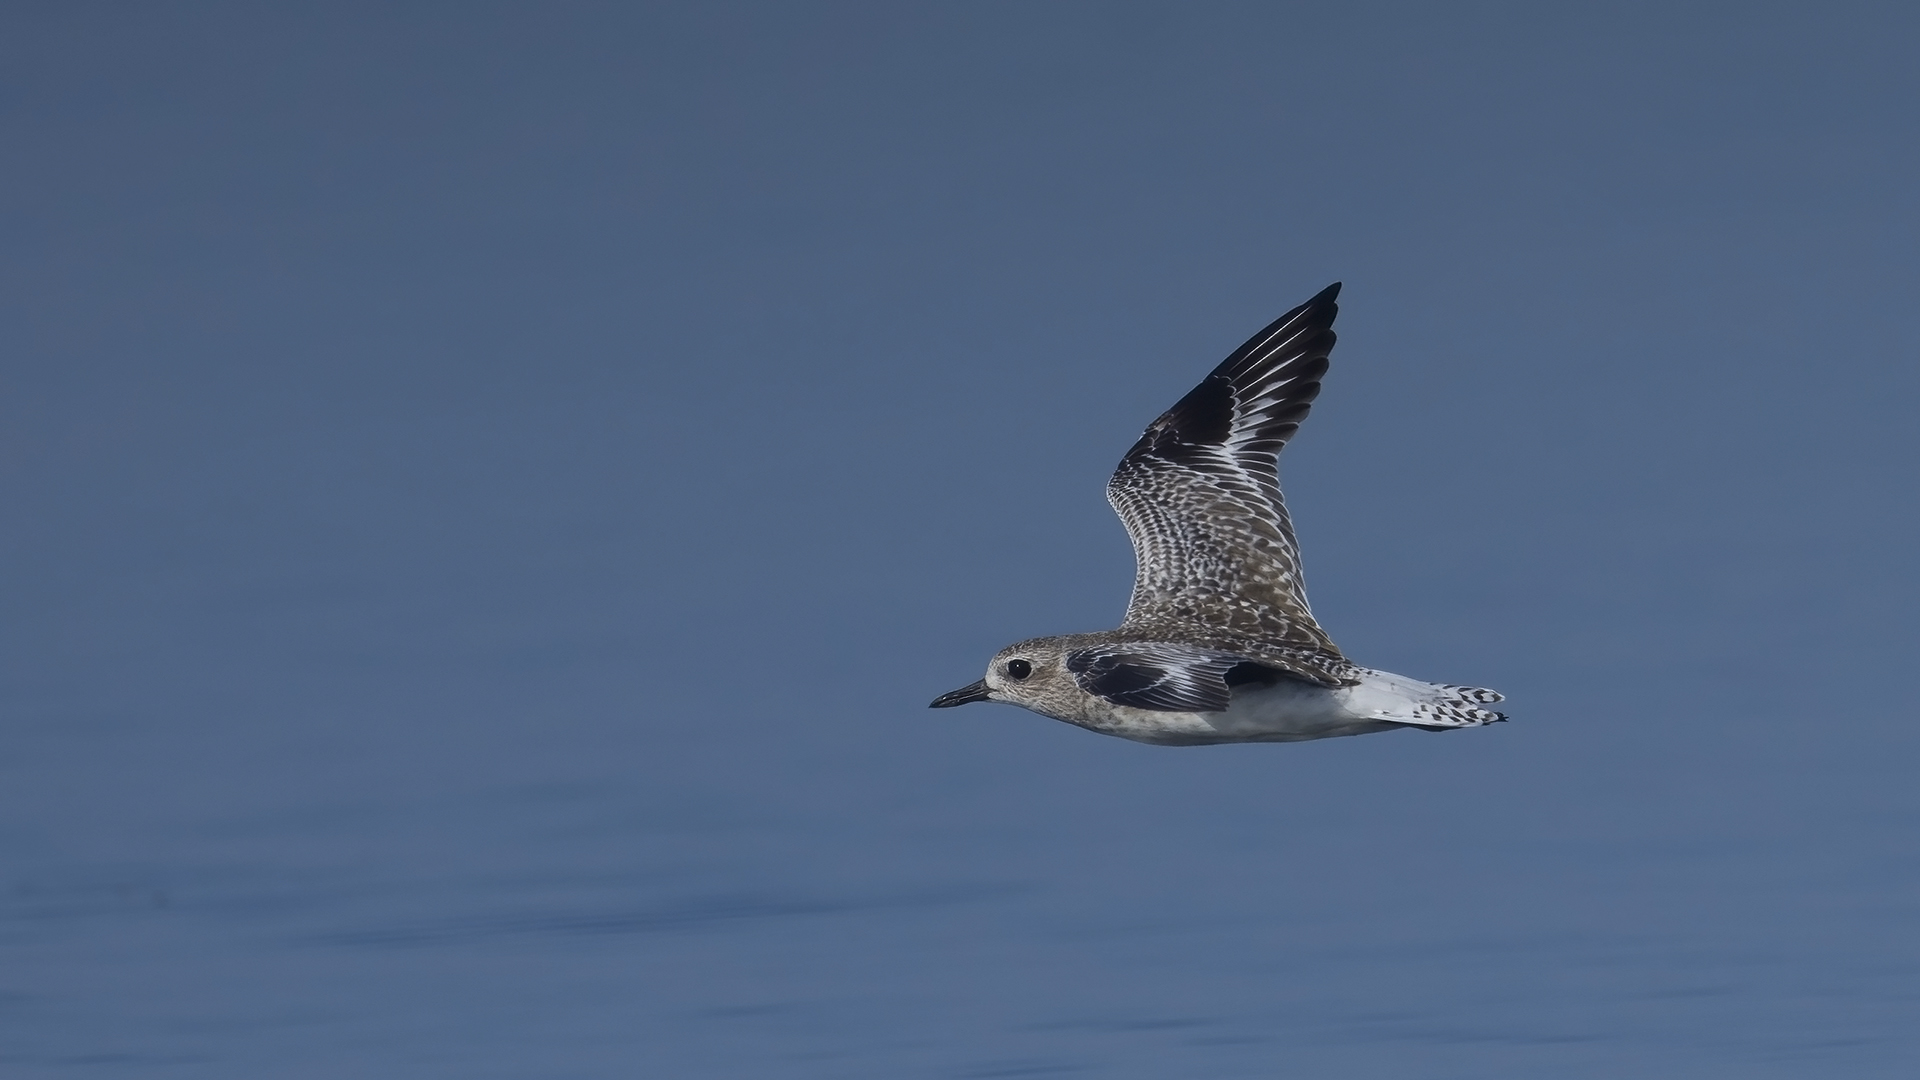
1019	669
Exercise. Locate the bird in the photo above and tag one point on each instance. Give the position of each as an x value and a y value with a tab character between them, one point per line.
1218	644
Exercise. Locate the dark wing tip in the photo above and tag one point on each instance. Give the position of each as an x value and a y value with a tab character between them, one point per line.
1320	311
1205	416
1302	333
1321	307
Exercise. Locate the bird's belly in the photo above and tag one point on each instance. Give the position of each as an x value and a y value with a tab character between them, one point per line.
1289	711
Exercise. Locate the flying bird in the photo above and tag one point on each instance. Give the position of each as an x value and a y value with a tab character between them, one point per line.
1218	644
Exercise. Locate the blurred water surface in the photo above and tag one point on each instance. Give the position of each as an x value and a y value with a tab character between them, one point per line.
488	499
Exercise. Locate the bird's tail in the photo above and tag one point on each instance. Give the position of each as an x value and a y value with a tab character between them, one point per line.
1434	706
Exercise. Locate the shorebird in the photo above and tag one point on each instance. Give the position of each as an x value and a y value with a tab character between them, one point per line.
1218	644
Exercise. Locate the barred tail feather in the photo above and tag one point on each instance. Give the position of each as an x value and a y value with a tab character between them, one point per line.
1397	699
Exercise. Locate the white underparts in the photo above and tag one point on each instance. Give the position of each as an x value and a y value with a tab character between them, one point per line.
1295	711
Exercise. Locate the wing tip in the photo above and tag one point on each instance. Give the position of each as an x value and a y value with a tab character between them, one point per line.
1322	305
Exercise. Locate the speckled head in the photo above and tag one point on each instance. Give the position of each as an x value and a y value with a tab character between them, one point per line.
1031	674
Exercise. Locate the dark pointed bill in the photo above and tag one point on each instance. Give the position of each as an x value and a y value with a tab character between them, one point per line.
973	691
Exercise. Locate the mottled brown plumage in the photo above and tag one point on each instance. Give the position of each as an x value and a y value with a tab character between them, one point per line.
1218	643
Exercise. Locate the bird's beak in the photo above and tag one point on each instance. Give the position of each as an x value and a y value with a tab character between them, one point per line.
973	691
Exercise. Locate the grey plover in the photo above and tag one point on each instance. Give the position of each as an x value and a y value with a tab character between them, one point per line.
1218	644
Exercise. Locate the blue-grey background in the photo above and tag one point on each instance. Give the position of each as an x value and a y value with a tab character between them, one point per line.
490	489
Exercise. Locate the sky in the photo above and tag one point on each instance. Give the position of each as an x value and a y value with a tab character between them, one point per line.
491	489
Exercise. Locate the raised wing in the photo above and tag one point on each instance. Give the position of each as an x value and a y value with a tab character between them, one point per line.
1200	497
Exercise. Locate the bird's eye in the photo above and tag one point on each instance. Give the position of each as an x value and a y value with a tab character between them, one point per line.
1019	669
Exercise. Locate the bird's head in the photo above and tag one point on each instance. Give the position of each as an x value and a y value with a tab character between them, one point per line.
1031	674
